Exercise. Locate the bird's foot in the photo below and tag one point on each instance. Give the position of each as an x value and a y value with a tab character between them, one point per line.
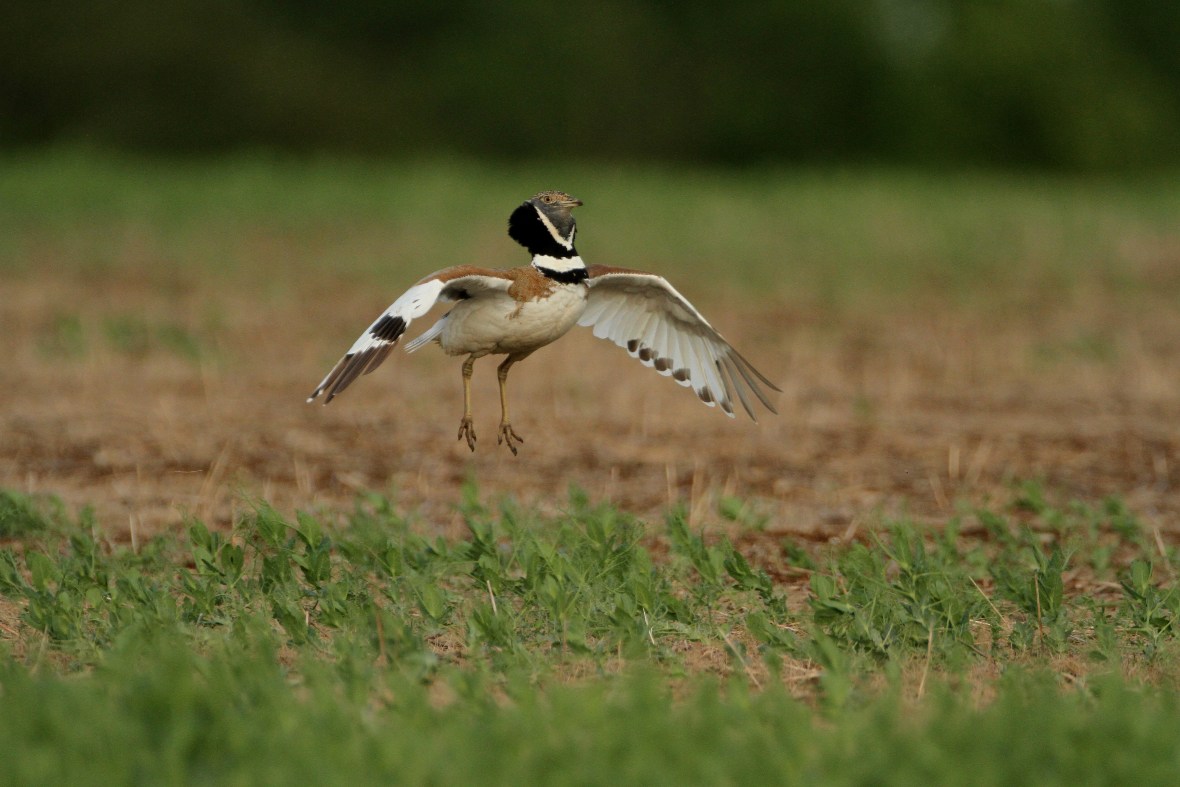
507	435
466	429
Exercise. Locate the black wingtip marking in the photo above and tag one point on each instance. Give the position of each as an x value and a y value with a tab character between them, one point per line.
645	354
680	375
388	328
663	364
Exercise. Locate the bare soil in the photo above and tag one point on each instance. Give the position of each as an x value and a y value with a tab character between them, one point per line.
908	409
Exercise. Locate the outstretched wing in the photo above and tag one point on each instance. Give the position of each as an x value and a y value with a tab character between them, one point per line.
644	314
367	352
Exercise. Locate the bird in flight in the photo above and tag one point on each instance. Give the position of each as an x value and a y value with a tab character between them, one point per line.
517	311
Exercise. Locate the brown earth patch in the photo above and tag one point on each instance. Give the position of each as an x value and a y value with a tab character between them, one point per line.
901	410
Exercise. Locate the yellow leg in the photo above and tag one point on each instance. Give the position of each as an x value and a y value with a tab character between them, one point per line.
466	429
507	435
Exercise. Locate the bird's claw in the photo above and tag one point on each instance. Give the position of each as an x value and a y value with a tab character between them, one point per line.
467	429
507	435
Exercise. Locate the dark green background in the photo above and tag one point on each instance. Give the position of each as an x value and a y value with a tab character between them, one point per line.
1077	85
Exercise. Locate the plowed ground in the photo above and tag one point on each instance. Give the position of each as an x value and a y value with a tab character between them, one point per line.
913	409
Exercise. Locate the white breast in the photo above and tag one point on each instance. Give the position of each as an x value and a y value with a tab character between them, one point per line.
498	323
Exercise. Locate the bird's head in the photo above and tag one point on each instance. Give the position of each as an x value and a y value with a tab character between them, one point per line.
545	225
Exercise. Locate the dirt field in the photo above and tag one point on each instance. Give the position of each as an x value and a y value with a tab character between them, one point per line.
909	409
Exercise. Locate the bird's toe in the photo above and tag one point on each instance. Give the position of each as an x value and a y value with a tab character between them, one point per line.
508	435
467	429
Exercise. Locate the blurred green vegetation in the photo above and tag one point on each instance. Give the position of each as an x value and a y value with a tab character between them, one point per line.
1083	85
835	237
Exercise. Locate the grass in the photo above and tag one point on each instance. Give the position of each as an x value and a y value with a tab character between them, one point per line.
224	718
590	647
131	335
843	237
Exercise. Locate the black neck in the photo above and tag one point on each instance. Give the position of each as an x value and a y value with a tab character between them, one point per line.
526	228
572	276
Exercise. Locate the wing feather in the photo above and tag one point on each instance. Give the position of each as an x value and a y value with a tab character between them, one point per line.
716	384
594	311
700	371
630	323
748	373
645	315
728	367
662	346
682	373
607	318
647	341
375	344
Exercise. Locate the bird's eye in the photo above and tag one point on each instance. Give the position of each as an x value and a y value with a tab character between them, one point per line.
547	199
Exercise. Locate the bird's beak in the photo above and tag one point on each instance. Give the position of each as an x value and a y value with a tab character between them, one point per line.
573	202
